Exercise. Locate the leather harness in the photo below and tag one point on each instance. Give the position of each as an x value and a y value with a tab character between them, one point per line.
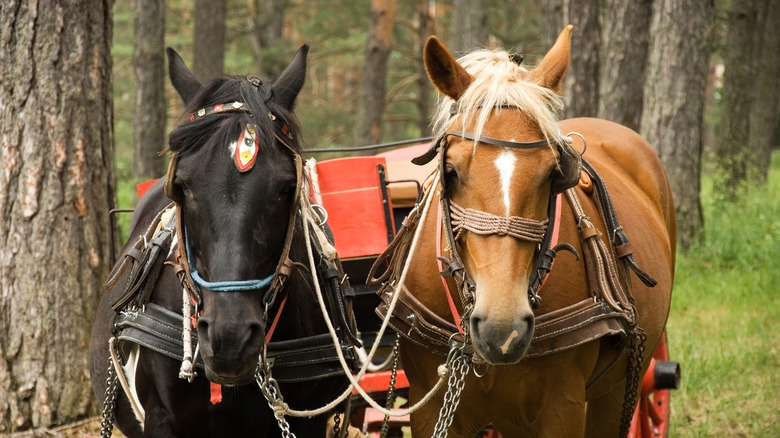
609	311
138	321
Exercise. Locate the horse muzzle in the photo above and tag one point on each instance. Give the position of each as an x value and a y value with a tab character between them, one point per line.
230	348
500	343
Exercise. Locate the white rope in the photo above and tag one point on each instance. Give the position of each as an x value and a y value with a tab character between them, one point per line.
314	179
355	380
187	370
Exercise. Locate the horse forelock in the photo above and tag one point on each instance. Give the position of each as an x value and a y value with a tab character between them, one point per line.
498	83
222	128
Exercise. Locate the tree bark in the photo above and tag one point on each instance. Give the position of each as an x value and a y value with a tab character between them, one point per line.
624	50
581	84
56	186
765	112
467	30
737	99
368	129
680	44
553	22
149	74
266	20
424	96
209	41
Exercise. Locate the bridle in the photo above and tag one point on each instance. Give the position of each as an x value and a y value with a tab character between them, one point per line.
457	220
188	274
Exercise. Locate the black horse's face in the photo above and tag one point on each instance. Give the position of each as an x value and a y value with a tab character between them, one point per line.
235	184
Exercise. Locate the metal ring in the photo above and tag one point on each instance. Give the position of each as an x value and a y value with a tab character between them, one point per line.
477	374
584	143
321	213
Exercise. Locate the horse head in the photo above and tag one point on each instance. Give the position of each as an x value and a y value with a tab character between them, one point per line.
503	156
235	177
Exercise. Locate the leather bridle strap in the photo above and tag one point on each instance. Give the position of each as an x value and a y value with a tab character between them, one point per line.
505	143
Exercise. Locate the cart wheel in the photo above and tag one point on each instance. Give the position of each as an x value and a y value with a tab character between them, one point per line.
651	417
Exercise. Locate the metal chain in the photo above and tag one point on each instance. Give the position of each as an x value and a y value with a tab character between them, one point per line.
109	402
391	390
337	425
272	394
633	375
458	368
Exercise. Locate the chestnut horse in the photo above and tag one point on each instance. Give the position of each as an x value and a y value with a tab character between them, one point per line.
504	155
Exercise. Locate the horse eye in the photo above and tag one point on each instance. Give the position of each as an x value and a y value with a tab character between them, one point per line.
450	173
288	190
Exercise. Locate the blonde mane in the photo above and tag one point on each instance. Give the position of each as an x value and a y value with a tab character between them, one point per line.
500	82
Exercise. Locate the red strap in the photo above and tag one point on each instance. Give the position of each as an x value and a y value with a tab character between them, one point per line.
270	331
556	231
453	309
216	393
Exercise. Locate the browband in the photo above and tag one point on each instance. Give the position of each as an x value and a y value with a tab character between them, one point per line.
434	149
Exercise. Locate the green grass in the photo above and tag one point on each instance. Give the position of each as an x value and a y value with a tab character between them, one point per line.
725	319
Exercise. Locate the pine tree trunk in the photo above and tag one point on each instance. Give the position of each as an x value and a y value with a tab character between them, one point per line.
424	96
553	21
209	40
149	73
368	128
266	22
765	112
737	99
674	102
56	186
467	30
624	56
581	84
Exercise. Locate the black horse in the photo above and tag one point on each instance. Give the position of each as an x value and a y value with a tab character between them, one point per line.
231	249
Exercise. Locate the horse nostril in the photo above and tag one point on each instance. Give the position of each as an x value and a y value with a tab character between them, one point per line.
475	320
203	327
256	334
529	323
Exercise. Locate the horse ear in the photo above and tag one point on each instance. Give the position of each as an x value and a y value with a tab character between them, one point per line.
290	82
444	71
182	78
550	71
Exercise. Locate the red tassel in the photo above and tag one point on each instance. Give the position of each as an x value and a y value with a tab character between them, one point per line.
216	393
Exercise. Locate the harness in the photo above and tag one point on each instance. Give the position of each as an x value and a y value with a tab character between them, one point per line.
609	311
152	326
138	321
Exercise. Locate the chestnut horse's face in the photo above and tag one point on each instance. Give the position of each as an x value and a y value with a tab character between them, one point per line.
235	185
505	183
502	182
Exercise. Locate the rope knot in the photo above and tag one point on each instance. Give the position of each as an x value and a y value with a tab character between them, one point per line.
280	409
502	224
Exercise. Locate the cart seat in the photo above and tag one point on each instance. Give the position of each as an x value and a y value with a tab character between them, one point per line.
353	191
406	178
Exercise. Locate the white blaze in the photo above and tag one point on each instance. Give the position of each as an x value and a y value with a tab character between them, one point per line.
505	163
